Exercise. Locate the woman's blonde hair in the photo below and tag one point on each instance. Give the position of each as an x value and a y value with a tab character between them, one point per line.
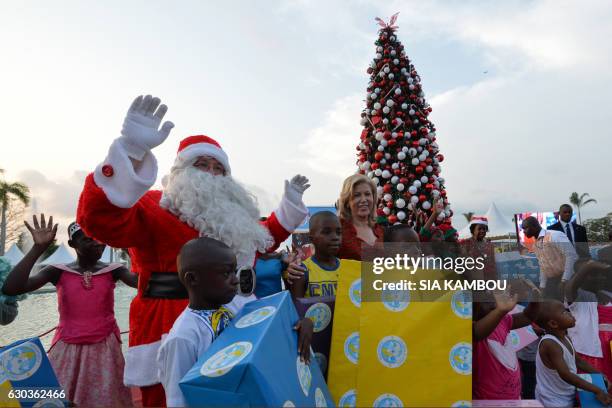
346	195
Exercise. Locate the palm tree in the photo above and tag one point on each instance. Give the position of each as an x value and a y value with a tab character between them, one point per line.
579	202
468	216
7	191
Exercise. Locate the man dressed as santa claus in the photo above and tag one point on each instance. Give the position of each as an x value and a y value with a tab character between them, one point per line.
199	198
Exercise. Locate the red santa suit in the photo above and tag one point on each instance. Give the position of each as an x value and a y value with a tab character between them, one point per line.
117	208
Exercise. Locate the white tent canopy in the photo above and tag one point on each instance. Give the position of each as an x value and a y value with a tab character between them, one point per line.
499	225
13	255
60	256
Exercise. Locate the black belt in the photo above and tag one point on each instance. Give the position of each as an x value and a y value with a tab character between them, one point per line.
165	285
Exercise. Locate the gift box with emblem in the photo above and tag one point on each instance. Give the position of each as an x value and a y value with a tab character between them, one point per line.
254	362
26	376
320	310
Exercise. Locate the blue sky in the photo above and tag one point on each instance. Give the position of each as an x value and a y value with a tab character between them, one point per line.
280	84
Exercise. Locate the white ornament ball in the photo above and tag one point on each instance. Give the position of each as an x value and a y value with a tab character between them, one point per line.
419	149
403	70
384	142
390	103
388	156
441	216
393	53
435	193
377	105
424	180
426	153
394	179
386	174
391	76
447	213
378	56
441	180
382	161
377	90
375	180
380	148
363	121
394	135
379	190
361	146
400	187
404	106
410	80
387	70
426	205
373	95
401	215
412	190
436	184
386	210
414	199
378	172
388	197
417	183
415	162
429	169
379	136
401	156
411	87
400	203
385	121
396	61
365	165
398	91
386	110
411	112
405	149
412	151
394	165
379	48
422	157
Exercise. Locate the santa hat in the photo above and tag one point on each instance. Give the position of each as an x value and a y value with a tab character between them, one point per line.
200	145
479	220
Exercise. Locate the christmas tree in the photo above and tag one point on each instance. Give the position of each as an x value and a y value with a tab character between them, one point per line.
398	148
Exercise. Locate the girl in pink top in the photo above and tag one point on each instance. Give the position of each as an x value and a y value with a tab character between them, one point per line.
497	375
86	350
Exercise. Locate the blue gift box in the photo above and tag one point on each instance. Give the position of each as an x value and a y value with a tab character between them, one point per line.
588	399
26	376
255	362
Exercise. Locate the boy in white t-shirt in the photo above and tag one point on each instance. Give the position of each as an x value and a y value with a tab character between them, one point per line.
556	361
207	268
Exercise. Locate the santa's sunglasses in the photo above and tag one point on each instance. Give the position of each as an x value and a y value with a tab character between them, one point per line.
246	278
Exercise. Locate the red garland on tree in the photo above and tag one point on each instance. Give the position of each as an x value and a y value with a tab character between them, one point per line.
398	148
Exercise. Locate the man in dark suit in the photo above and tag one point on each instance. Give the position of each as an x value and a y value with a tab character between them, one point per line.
575	233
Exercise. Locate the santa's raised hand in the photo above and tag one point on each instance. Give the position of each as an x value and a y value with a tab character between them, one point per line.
295	188
141	131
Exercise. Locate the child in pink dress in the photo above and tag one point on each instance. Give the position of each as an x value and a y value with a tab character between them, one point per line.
497	375
86	349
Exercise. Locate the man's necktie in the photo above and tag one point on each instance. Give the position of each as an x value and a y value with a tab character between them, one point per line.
568	232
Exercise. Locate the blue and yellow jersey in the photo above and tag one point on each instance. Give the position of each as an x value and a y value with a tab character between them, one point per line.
321	281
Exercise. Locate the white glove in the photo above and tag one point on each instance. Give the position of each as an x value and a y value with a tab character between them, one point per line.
141	131
295	188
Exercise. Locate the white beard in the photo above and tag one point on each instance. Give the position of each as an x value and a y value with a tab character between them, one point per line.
218	207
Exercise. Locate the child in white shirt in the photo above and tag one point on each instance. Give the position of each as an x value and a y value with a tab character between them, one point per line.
207	269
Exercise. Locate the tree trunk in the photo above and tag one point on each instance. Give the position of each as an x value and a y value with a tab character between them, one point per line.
579	217
3	229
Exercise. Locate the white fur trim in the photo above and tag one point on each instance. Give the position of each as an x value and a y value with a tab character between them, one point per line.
141	365
290	215
125	187
205	149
